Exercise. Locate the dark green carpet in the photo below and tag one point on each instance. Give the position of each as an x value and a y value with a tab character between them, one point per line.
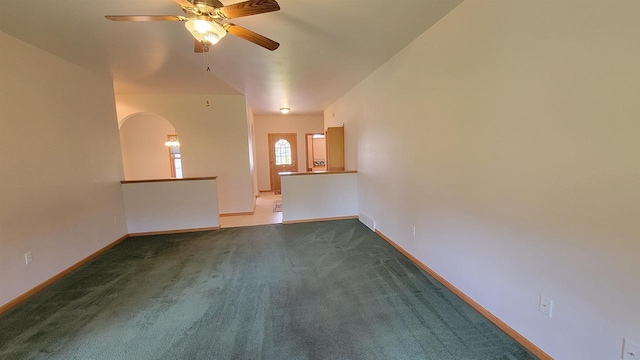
331	290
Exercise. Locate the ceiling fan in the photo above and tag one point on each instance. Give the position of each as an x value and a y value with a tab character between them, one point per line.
207	20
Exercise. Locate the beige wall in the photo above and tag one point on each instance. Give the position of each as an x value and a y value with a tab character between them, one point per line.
144	155
213	139
282	124
319	149
60	168
508	134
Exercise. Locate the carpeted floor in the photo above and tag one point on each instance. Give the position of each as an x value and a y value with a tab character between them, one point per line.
330	290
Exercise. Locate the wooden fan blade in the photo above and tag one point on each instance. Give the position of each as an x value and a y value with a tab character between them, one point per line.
252	7
198	47
184	3
249	35
145	18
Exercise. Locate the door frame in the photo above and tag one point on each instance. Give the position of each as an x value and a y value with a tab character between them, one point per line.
306	149
272	138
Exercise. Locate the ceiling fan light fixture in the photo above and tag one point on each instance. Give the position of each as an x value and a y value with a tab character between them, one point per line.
205	31
285	110
211	38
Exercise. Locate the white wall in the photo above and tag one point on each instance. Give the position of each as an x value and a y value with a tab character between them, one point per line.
213	139
144	155
319	196
282	124
252	150
171	205
60	168
509	135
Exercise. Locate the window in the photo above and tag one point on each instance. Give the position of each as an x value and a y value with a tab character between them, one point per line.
283	152
175	158
177	165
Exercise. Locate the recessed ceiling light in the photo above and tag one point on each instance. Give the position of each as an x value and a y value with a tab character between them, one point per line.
285	110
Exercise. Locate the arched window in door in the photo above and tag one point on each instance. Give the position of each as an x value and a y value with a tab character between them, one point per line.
283	152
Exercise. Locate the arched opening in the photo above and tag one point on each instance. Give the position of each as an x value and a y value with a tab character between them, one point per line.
150	147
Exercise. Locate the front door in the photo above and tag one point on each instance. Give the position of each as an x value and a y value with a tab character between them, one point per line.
283	156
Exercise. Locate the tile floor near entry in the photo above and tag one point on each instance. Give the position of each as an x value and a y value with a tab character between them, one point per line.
263	214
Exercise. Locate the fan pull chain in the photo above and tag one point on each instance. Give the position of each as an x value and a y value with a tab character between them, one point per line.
208	69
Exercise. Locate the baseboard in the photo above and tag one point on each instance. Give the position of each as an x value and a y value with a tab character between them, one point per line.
494	319
319	219
236	214
169	232
6	307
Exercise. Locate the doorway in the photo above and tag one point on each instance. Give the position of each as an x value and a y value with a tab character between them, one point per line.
316	152
175	158
283	157
143	138
264	213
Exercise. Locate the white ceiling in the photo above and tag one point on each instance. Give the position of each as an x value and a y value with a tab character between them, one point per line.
326	46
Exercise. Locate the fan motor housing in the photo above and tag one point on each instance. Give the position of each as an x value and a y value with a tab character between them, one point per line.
206	5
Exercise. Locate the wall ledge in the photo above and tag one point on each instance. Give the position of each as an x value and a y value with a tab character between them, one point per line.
170	179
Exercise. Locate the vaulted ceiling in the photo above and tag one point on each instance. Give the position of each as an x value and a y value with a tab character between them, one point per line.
326	46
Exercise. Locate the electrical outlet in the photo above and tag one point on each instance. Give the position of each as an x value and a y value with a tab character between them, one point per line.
115	219
28	258
630	350
413	231
546	306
